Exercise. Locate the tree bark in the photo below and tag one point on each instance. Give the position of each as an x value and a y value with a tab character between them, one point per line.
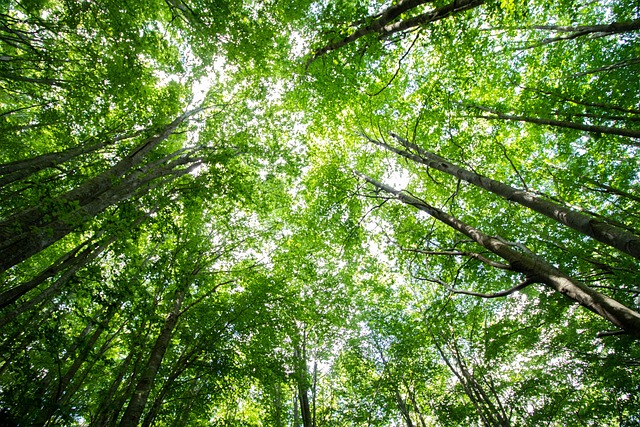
531	265
303	387
132	414
384	25
63	383
34	229
608	234
21	169
180	366
86	257
630	133
583	30
43	234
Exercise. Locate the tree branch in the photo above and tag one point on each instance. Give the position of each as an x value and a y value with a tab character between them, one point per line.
474	255
529	280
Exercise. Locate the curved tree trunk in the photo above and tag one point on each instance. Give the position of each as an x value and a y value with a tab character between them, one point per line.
133	413
533	266
34	229
608	234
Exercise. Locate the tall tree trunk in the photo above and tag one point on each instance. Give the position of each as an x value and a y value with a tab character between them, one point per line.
631	133
385	26
400	401
66	261
88	255
531	265
41	236
21	169
65	380
34	229
107	406
300	355
608	234
179	367
111	406
483	405
132	414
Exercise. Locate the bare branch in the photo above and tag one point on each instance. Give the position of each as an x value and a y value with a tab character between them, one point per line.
529	280
474	255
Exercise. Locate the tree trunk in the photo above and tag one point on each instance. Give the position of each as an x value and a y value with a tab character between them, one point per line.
485	409
136	406
384	25
34	229
107	406
303	387
631	133
608	234
41	236
21	169
179	367
63	383
531	265
66	261
87	255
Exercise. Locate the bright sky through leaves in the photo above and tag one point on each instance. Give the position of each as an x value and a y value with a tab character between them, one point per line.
319	214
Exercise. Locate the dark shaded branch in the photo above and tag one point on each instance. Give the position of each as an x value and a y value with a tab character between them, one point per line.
621	64
631	133
474	255
579	31
385	27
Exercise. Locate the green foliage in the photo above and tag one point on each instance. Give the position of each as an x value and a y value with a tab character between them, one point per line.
297	277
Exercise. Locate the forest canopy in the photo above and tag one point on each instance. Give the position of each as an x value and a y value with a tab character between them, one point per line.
313	213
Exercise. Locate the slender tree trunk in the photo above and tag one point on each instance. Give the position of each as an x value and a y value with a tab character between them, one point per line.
65	380
34	229
21	169
303	388
179	367
185	411
41	236
400	401
87	255
608	234
107	406
63	263
384	25
132	414
531	265
484	407
631	133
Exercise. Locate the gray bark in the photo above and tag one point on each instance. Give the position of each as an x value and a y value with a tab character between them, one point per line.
34	229
41	235
16	171
608	234
532	266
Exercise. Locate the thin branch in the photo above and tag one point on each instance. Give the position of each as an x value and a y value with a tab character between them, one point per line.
397	68
611	333
474	255
621	64
529	280
504	151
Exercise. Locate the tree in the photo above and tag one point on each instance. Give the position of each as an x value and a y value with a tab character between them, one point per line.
185	243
